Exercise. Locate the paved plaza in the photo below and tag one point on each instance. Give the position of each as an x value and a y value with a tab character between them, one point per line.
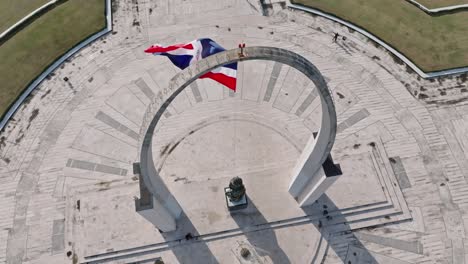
68	185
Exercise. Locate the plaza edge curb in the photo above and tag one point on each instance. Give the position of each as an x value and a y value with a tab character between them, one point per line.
24	19
36	82
409	63
437	10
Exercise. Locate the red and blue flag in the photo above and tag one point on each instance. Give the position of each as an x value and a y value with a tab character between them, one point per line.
183	55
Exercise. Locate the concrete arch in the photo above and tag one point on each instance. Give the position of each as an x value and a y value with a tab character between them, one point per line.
304	180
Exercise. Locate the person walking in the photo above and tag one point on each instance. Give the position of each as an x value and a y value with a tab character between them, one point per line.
335	37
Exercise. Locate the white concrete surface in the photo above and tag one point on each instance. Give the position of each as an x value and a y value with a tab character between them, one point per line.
403	158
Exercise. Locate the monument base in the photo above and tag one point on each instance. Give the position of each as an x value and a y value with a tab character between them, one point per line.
320	182
235	205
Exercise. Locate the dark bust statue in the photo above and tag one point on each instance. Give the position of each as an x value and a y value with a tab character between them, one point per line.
237	189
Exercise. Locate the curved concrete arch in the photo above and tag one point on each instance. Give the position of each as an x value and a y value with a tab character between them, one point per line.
309	163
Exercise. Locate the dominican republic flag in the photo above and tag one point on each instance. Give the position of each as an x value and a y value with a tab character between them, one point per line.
183	55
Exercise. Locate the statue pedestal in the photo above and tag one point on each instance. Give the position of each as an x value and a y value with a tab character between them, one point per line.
235	205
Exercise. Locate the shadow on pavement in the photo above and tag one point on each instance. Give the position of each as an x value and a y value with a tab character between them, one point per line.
338	237
186	245
263	241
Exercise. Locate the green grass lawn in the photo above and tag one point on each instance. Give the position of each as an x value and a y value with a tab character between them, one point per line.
12	11
441	3
432	42
24	56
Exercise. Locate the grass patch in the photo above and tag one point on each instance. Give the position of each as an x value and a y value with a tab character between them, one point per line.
12	11
432	42
441	3
25	55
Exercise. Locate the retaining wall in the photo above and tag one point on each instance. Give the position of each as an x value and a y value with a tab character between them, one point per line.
35	83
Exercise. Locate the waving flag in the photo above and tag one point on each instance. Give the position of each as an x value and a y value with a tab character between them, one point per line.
183	55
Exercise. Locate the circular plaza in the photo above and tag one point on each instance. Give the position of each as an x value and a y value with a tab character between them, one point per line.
69	173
